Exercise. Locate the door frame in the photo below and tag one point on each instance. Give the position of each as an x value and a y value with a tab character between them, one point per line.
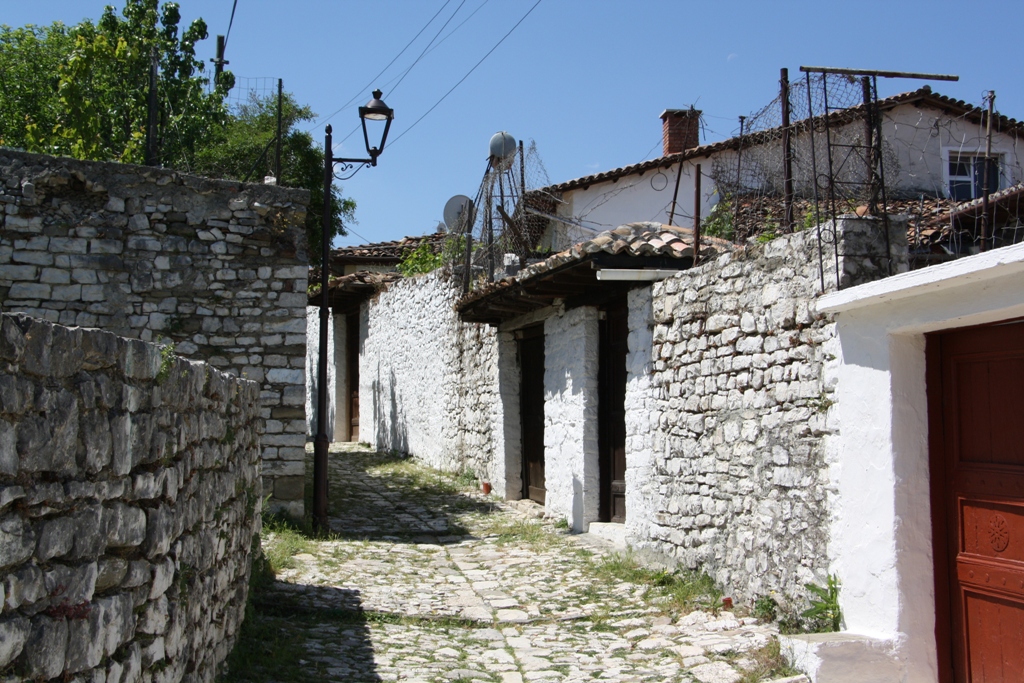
528	333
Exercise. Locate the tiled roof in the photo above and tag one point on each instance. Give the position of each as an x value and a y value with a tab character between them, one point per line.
385	252
352	288
637	240
925	95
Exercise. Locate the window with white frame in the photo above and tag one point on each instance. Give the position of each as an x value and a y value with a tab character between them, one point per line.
967	175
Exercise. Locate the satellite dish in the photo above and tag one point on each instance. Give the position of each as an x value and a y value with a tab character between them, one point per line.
458	213
503	145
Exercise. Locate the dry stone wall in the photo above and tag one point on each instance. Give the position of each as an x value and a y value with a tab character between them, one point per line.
730	434
218	268
129	500
428	383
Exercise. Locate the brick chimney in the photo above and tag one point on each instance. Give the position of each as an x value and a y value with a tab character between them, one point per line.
680	130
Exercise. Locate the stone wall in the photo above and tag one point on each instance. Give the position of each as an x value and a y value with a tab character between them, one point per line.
129	500
428	383
730	432
219	268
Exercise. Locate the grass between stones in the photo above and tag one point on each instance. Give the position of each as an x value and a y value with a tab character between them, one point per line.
674	591
769	663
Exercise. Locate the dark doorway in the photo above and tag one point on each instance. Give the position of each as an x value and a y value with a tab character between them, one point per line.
976	403
531	410
611	409
352	359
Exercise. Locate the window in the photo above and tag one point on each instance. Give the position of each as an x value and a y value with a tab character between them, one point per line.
967	175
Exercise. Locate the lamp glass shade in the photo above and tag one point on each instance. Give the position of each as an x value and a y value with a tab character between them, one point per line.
376	110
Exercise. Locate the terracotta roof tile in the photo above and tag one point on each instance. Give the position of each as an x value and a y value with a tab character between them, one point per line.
386	251
632	239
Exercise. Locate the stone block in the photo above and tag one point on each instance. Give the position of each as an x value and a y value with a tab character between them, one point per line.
118	621
85	641
110	573
29	290
289	488
286	376
163	578
8	447
14	632
17	540
37	258
46	648
72	585
115	204
56	537
68	245
125	525
67	293
154	618
14	272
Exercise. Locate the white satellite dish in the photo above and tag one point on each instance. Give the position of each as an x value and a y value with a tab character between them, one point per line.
458	212
503	145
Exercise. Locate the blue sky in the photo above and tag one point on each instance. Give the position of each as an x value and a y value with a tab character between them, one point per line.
585	79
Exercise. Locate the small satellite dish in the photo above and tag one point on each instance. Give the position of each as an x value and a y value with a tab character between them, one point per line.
503	145
458	213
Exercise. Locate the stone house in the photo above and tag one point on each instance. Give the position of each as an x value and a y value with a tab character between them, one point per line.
935	152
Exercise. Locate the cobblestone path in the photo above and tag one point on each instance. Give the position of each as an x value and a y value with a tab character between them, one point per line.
426	579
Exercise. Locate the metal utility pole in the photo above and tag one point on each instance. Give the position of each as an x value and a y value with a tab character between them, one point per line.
787	154
277	156
219	61
869	144
696	215
739	181
985	180
151	111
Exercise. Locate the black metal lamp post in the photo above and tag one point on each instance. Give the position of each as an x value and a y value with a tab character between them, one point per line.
375	110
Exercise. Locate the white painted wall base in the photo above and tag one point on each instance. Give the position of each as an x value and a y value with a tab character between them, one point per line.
843	658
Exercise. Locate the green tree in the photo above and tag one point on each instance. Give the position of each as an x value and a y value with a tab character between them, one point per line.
244	149
83	91
29	60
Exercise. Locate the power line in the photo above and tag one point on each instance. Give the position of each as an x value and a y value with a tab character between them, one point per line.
230	22
387	85
363	89
452	89
417	60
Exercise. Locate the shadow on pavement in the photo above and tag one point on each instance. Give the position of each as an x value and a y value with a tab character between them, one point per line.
378	496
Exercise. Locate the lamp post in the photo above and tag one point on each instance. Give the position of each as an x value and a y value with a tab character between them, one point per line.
376	111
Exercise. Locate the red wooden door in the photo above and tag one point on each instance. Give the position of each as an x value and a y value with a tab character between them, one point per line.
978	500
531	410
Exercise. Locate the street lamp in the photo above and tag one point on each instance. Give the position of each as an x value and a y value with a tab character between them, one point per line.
375	111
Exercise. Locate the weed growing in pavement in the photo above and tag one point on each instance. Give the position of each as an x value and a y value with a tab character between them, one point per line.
769	664
766	608
283	539
677	591
532	533
825	610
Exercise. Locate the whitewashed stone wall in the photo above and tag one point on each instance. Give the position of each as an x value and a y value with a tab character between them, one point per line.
570	416
129	502
312	372
217	267
731	443
428	383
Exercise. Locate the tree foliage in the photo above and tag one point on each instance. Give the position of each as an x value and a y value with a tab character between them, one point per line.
82	91
244	149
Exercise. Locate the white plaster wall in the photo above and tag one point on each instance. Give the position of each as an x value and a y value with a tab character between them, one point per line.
406	397
643	439
570	416
312	356
428	383
507	473
881	530
608	205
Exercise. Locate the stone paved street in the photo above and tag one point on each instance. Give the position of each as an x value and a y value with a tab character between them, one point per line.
427	579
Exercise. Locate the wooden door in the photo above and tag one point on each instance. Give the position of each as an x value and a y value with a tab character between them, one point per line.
531	410
611	408
352	357
976	395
